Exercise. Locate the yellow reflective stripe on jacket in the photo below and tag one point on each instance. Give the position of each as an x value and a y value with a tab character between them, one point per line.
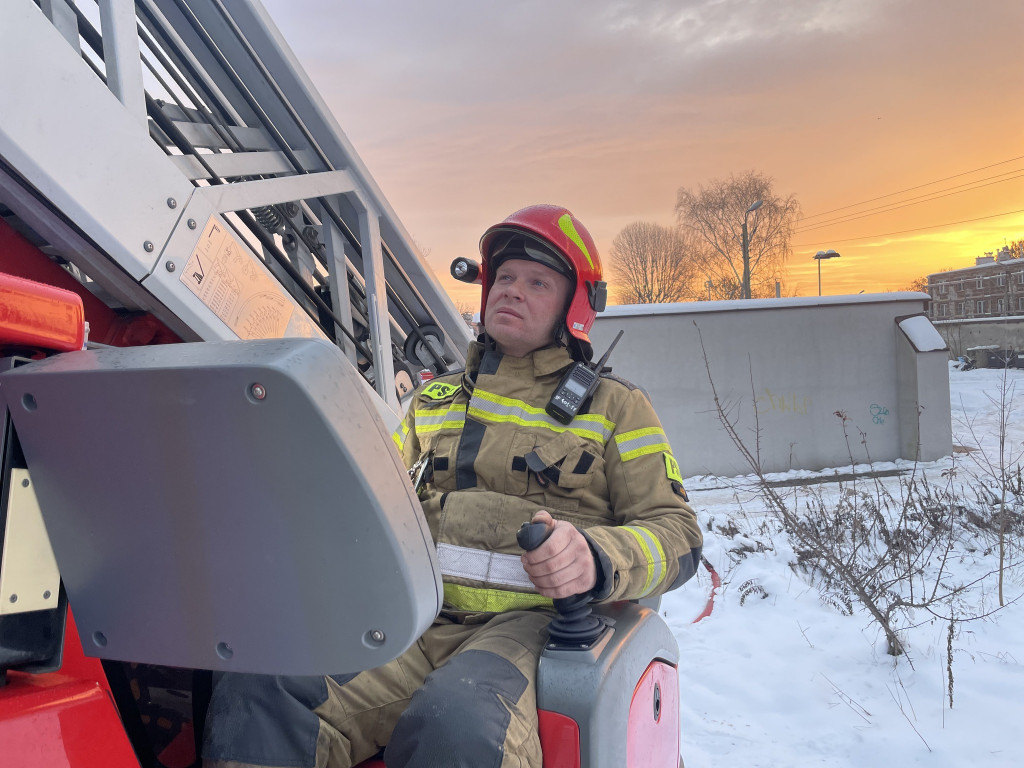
433	419
491	600
654	554
495	408
641	442
399	436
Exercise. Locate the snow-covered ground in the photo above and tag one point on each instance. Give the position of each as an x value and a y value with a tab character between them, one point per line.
788	680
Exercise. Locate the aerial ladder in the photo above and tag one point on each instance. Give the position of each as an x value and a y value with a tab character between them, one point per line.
211	319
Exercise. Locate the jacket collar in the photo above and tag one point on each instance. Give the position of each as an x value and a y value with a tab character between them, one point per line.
485	359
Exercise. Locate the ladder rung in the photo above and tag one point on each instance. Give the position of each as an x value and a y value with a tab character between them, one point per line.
228	165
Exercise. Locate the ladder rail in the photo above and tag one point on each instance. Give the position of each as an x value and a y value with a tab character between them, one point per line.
263	157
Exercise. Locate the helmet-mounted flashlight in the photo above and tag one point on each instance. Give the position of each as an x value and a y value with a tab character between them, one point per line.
465	270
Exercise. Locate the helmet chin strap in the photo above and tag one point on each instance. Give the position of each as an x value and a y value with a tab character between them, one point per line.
578	350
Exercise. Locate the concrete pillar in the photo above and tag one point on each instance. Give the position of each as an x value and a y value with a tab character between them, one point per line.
923	390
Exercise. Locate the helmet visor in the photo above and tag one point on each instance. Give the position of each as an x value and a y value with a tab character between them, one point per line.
519	246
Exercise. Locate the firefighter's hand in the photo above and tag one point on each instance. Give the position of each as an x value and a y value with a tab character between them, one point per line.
563	565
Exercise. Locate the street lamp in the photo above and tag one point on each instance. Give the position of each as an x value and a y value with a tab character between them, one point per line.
746	250
829	254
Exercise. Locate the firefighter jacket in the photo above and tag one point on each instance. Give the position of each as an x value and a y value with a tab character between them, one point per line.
489	457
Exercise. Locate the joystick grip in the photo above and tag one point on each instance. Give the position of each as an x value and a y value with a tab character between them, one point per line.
574	625
532	535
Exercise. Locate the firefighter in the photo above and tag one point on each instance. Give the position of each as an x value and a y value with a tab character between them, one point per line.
606	485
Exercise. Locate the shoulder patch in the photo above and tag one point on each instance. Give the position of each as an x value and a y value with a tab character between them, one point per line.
672	468
438	390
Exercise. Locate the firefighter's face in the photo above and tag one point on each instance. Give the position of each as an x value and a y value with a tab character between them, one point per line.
525	306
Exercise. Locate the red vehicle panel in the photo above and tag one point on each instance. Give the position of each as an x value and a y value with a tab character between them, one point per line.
64	718
652	739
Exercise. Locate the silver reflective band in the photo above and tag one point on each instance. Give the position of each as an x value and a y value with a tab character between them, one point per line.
489	567
434	419
454	417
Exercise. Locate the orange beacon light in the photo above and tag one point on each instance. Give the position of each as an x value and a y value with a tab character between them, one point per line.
40	316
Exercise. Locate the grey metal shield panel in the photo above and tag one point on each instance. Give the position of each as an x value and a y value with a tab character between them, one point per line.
226	505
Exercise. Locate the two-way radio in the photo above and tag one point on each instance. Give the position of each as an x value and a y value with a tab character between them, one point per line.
576	387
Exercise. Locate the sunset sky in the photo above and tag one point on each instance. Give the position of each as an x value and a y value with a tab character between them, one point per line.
465	111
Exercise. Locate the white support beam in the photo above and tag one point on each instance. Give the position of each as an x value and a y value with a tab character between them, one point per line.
121	55
337	248
64	19
377	305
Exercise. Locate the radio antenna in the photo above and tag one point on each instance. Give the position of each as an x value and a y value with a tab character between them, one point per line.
604	359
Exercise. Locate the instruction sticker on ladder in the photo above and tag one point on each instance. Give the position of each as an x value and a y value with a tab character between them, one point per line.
223	275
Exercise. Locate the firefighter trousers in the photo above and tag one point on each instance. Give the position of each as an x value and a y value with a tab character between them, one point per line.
464	694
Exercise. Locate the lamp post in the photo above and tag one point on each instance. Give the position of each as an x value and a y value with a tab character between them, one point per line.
745	291
829	254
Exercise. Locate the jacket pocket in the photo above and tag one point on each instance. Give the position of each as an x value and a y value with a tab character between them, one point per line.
564	470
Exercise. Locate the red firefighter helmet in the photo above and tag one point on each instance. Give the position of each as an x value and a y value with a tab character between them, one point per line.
550	235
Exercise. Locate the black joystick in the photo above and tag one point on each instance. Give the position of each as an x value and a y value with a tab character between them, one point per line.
574	625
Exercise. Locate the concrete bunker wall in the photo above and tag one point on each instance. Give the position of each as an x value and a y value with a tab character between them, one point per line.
786	367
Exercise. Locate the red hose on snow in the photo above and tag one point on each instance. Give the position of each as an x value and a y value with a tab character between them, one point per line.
716	582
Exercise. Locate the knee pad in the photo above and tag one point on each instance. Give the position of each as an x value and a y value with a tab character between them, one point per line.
460	717
264	719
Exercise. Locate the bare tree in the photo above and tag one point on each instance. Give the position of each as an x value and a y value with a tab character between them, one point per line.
918	284
715	215
650	264
1016	249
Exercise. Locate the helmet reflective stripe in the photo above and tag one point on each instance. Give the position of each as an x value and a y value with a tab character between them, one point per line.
565	224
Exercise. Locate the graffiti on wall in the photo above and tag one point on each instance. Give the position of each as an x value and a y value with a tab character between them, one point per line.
879	413
788	403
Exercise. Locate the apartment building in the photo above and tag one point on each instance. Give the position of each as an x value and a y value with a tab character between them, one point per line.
993	287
